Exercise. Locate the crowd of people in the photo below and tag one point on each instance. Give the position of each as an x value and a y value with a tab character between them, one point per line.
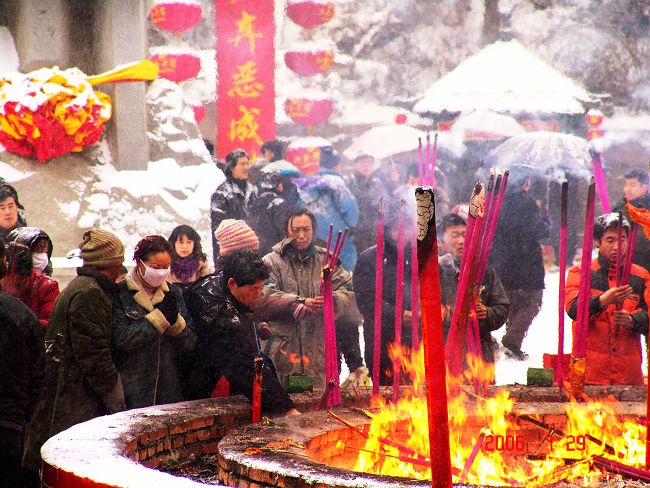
173	328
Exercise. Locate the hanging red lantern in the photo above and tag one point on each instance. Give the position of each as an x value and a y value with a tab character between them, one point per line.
310	13
177	66
304	153
306	110
309	61
595	133
175	16
594	117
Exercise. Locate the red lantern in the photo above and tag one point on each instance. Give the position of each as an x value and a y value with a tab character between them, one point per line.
199	112
175	16
594	117
310	13
305	154
177	66
307	110
595	134
400	119
309	62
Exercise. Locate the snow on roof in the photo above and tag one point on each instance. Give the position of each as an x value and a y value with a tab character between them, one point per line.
504	77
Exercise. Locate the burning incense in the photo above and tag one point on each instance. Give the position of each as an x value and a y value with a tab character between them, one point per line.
420	163
433	340
323	399
379	287
599	177
456	338
559	369
331	357
425	174
434	160
399	298
415	282
579	357
470	460
256	401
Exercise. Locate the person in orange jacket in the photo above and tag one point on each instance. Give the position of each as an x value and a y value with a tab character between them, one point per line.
614	336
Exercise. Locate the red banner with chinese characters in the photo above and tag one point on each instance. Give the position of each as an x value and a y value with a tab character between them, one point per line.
245	75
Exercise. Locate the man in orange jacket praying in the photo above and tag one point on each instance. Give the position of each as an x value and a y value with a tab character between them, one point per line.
618	315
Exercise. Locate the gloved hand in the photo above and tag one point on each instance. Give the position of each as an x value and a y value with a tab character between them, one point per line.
359	377
169	308
264	331
300	311
114	399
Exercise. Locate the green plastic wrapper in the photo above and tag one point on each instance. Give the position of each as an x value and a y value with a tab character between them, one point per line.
539	377
298	383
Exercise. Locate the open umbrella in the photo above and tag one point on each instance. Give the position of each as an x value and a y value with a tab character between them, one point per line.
549	152
390	140
486	125
281	167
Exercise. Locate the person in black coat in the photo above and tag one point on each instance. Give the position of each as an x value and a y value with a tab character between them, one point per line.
22	366
516	256
363	281
228	343
635	190
233	198
150	334
492	305
269	211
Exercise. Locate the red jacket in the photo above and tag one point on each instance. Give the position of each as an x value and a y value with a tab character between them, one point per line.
613	352
40	296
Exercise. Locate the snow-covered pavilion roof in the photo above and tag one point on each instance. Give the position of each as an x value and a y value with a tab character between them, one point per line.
504	77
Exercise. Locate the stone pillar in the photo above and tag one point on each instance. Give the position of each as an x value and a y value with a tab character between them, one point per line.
41	40
121	28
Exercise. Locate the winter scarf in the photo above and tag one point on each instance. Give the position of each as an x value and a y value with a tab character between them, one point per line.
184	268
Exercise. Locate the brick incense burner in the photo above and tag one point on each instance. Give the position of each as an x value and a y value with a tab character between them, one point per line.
312	450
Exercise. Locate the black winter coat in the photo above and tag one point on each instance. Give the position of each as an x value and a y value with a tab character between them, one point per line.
363	281
268	215
22	362
516	253
367	191
227	347
493	296
642	249
231	200
148	352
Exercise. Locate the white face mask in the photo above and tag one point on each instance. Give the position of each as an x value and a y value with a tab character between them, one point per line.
154	277
40	261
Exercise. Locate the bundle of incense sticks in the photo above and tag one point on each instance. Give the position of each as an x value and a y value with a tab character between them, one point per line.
331	356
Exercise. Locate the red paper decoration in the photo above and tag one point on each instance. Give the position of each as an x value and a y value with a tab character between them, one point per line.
310	13
305	154
177	67
309	62
199	112
400	119
175	16
307	111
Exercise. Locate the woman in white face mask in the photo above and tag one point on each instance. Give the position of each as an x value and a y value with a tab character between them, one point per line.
150	332
39	244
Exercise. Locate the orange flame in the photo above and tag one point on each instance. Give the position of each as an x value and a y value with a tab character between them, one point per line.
294	358
502	458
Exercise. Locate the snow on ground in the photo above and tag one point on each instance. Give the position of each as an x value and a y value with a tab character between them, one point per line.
542	337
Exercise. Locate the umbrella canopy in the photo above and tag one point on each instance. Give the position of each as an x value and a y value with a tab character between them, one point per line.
389	140
486	125
281	167
546	151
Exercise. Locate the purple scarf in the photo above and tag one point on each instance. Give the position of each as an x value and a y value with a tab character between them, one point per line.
184	268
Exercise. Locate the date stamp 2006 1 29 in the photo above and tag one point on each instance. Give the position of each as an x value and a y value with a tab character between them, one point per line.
515	443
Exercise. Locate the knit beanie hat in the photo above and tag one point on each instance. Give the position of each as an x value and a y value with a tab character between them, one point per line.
234	235
101	249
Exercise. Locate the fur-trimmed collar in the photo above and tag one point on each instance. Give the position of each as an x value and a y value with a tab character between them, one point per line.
141	297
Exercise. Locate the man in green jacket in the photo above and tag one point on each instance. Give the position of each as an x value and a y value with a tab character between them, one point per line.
81	380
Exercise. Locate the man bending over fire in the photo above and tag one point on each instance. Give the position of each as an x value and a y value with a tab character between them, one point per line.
618	315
